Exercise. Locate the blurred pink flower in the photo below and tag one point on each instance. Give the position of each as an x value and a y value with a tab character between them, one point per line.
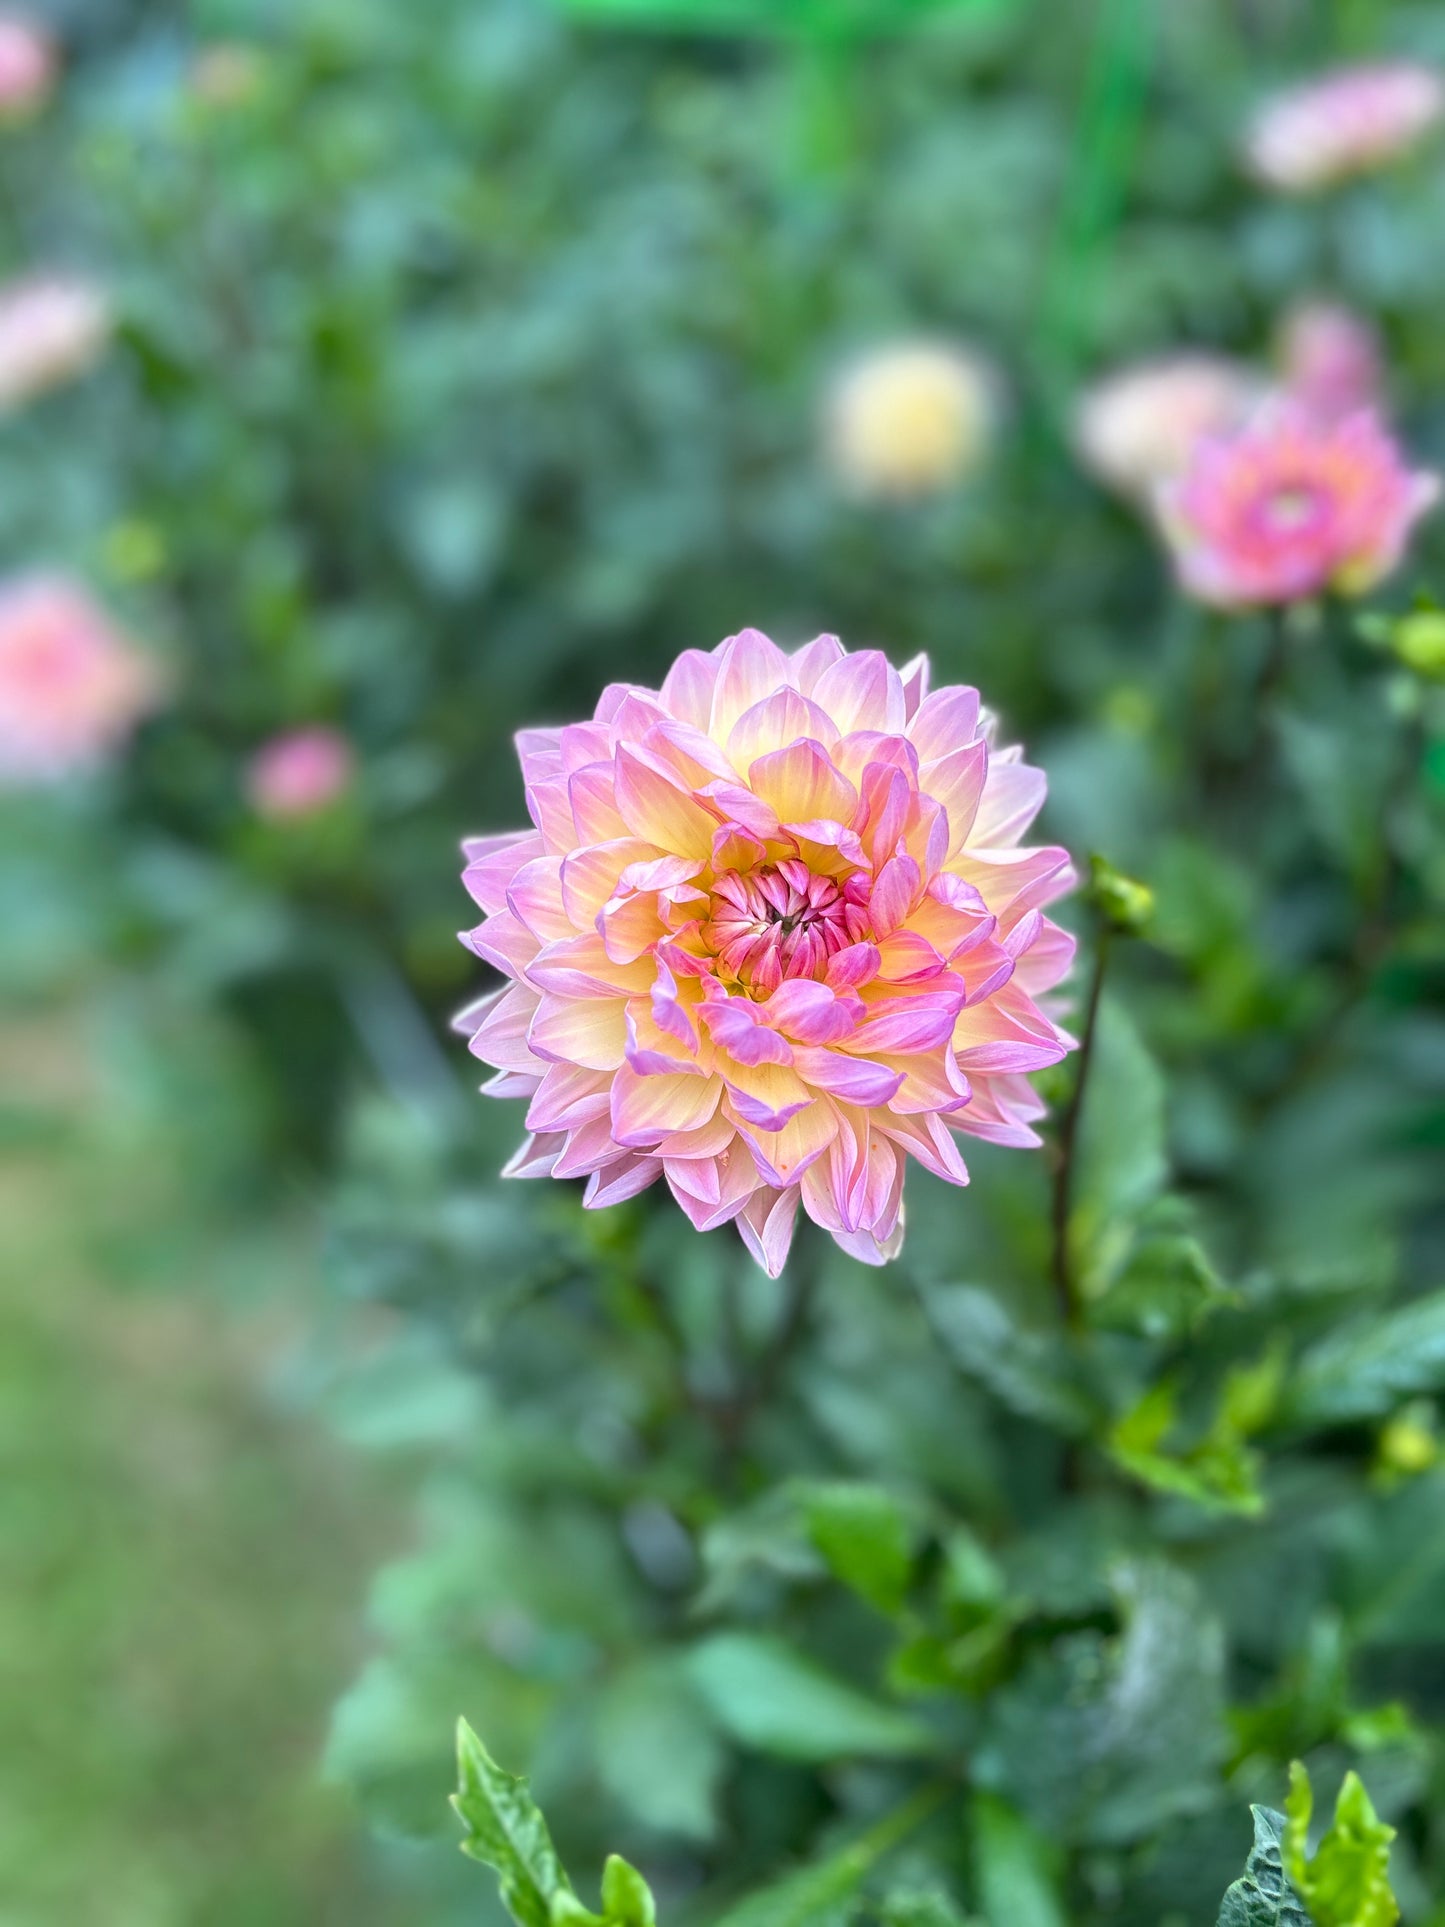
772	933
1139	426
1330	360
1290	506
27	65
300	772
1347	122
52	327
72	686
910	419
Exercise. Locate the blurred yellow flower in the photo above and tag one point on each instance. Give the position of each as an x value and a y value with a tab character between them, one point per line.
910	419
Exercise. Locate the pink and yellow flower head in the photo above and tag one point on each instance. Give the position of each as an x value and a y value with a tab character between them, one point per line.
1351	121
27	65
773	931
1139	426
1291	506
72	687
300	772
52	328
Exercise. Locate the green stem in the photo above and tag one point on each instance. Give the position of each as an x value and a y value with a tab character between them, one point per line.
1065	1285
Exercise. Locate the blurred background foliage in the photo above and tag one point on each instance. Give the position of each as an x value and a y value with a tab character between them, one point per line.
471	356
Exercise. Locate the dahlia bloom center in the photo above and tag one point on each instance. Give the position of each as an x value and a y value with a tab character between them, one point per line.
782	920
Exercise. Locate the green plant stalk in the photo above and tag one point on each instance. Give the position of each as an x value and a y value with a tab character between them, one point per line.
1065	1286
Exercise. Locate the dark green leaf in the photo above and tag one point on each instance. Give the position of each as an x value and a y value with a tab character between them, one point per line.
1263	1897
771	1698
1365	1369
863	1535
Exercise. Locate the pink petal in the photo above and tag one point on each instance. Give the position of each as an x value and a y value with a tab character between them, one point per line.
767	1227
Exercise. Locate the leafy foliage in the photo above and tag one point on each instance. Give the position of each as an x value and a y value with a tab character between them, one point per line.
1345	1882
472	357
1264	1896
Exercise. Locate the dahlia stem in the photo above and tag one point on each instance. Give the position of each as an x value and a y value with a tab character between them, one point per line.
1065	1285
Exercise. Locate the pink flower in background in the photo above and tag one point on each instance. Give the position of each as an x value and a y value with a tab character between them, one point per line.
1347	122
772	933
1330	360
1290	506
52	328
27	65
300	772
1137	427
72	686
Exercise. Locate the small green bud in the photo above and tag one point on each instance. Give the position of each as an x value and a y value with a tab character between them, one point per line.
1408	1445
1126	905
1419	641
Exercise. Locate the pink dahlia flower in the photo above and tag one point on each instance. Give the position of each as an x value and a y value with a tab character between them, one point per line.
1330	360
52	327
1348	122
72	687
1290	506
772	932
27	65
1137	427
299	772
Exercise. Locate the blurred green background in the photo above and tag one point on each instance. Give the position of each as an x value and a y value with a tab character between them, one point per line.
468	356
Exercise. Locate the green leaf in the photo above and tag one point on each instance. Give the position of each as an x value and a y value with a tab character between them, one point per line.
1015	1866
1166	1290
658	1751
863	1535
1032	1373
1263	1897
1218	1471
825	1892
626	1896
1347	1882
1102	1740
1119	1163
1366	1369
769	1697
506	1831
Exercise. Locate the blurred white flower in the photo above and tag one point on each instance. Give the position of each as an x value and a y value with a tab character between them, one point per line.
910	419
1139	426
53	326
1347	122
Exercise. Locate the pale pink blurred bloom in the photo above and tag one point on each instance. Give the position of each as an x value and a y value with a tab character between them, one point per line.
72	685
773	933
224	73
27	65
300	772
1330	360
52	328
1139	426
1347	122
1292	505
910	419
